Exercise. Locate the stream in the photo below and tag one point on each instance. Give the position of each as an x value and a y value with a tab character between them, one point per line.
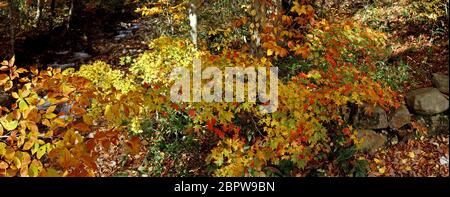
107	38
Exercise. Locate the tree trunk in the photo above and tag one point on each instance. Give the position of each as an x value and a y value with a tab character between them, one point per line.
37	19
76	7
11	26
193	23
69	17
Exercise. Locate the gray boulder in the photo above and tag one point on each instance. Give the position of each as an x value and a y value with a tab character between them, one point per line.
427	101
371	141
399	118
440	124
440	81
376	120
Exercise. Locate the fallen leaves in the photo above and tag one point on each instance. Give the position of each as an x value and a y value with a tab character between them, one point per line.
415	158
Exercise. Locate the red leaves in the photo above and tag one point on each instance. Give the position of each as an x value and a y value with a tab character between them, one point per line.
346	131
175	106
219	133
303	75
192	113
210	124
330	60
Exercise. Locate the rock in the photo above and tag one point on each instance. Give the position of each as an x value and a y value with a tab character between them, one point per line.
439	124
399	118
81	56
440	81
103	47
427	101
371	141
376	120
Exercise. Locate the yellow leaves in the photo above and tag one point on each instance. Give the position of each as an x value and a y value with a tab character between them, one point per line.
34	70
28	145
9	154
382	170
34	168
302	9
41	151
2	149
8	85
17	162
50	116
269	52
67	89
109	115
377	161
145	11
3	165
411	154
314	74
8	123
299	9
273	48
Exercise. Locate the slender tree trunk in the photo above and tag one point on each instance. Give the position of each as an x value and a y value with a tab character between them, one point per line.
69	18
193	23
11	26
76	7
37	19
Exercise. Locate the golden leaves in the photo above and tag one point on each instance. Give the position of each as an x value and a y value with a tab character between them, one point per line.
8	123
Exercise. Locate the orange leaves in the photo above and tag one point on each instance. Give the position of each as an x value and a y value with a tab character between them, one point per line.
78	111
82	127
287	20
3	79
330	60
133	145
274	49
302	50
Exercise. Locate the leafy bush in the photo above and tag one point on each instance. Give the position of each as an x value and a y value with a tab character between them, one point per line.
300	130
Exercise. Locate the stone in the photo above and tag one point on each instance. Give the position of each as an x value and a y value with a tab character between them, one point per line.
440	81
376	120
439	124
81	55
371	141
427	101
399	118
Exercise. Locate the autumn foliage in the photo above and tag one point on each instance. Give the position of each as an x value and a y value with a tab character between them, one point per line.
57	122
